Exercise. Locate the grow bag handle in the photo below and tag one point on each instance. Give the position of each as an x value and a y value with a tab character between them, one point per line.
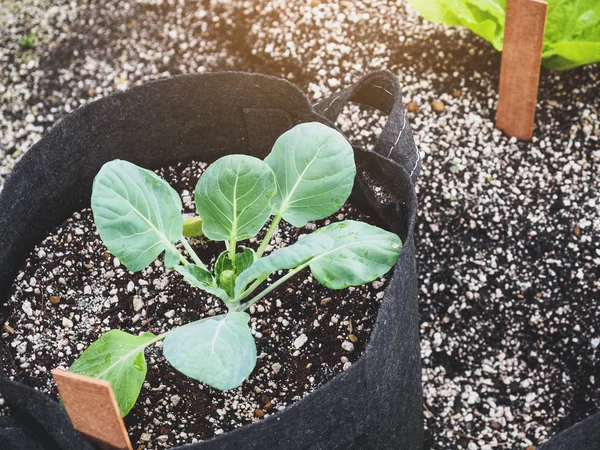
380	90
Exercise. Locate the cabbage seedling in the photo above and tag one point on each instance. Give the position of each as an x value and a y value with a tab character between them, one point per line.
308	176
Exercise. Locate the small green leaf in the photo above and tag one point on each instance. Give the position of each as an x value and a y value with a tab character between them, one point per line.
243	260
192	227
226	281
224	272
306	248
360	254
28	42
138	215
117	357
218	351
315	170
201	278
233	197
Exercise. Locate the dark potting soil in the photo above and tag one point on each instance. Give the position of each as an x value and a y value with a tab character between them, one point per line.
70	291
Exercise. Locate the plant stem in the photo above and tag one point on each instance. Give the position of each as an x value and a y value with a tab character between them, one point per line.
191	252
272	228
162	336
275	285
251	289
232	245
182	258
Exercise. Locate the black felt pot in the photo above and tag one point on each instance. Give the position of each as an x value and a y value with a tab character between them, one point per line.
377	403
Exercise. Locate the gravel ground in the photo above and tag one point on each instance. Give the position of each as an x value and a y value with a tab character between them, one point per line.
508	233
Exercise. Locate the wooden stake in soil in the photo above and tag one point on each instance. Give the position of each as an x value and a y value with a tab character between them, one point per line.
520	70
93	409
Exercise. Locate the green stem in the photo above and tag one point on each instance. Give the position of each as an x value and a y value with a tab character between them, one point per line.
191	252
274	286
251	289
272	228
184	261
162	336
232	248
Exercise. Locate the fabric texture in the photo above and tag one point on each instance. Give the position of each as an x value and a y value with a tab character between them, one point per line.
584	435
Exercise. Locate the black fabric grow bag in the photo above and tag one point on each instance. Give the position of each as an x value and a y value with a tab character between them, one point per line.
377	403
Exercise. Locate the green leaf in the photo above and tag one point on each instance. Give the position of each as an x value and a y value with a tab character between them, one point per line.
226	281
360	254
233	197
192	227
315	170
243	260
117	357
28	42
224	271
571	39
218	351
172	258
138	215
306	248
483	17
201	278
572	36
342	254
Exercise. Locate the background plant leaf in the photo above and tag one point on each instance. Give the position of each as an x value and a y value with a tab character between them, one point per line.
233	197
314	167
572	36
117	357
219	351
138	215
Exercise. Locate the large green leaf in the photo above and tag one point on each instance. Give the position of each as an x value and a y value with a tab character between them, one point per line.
572	36
233	197
342	254
138	215
219	351
201	278
360	254
117	357
315	170
306	248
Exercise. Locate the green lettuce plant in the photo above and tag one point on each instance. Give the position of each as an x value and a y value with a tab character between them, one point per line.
572	35
308	176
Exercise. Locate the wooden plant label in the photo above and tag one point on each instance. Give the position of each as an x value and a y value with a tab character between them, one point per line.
520	69
93	409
